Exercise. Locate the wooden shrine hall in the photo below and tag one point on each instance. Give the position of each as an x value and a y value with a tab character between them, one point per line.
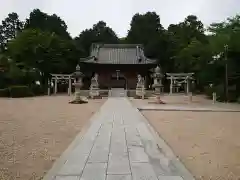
118	65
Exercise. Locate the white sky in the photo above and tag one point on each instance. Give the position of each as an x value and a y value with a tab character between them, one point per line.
82	14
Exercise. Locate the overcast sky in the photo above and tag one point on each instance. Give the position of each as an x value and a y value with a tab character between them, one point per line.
82	14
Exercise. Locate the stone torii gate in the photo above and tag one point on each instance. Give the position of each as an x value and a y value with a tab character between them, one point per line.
179	78
56	78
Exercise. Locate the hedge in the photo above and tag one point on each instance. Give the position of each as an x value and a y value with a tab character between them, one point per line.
238	100
37	90
221	96
4	92
20	91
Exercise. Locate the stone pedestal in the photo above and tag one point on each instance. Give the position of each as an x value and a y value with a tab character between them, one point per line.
140	91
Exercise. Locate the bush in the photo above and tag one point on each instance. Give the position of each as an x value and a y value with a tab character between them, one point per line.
208	91
238	100
20	91
37	90
221	96
232	96
4	92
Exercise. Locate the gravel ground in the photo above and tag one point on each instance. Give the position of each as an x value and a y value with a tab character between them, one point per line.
35	131
206	142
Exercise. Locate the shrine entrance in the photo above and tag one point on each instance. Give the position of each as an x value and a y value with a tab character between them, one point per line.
180	80
118	83
118	80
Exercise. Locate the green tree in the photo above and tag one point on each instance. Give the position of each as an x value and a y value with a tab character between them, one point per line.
222	35
229	26
44	51
45	22
9	28
146	29
4	63
188	44
4	68
99	33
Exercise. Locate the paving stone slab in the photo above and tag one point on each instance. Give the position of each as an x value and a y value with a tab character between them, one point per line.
94	171
101	147
170	178
118	157
119	177
72	168
119	167
143	171
67	178
133	137
137	154
135	146
118	146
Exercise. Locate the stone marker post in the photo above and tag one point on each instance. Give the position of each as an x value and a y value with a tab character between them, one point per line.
214	97
190	97
143	92
70	86
49	87
55	86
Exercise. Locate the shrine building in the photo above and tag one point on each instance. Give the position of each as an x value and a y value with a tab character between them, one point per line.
118	65
121	66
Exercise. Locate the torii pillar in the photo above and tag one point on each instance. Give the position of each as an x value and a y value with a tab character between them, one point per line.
171	85
187	82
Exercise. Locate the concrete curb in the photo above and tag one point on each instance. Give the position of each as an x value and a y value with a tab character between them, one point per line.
191	110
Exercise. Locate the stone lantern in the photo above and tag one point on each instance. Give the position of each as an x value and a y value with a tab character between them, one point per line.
78	75
157	76
157	85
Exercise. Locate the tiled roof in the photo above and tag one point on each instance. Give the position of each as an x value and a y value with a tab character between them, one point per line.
118	54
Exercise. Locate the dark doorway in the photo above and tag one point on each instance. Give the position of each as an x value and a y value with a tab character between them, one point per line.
118	82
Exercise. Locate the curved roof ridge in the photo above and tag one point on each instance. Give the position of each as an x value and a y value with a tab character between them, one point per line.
102	45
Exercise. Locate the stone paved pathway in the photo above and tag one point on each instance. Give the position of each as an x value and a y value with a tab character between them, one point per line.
119	145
